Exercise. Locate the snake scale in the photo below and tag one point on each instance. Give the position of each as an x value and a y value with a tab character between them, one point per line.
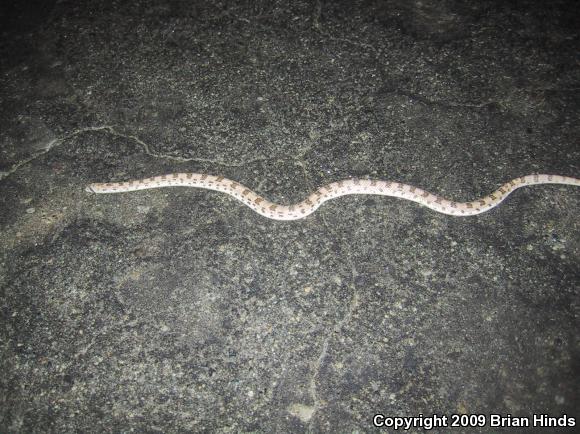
331	191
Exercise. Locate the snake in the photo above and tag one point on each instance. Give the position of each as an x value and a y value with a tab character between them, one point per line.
330	191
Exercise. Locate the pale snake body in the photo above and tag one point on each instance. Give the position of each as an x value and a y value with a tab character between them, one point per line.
331	191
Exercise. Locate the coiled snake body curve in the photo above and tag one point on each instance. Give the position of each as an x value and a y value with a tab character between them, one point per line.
331	191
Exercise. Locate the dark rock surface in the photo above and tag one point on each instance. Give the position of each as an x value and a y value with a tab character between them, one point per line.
181	310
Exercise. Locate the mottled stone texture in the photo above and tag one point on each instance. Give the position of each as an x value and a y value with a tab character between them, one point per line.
181	310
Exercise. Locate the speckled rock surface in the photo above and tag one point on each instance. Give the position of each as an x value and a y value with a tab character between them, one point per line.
181	310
